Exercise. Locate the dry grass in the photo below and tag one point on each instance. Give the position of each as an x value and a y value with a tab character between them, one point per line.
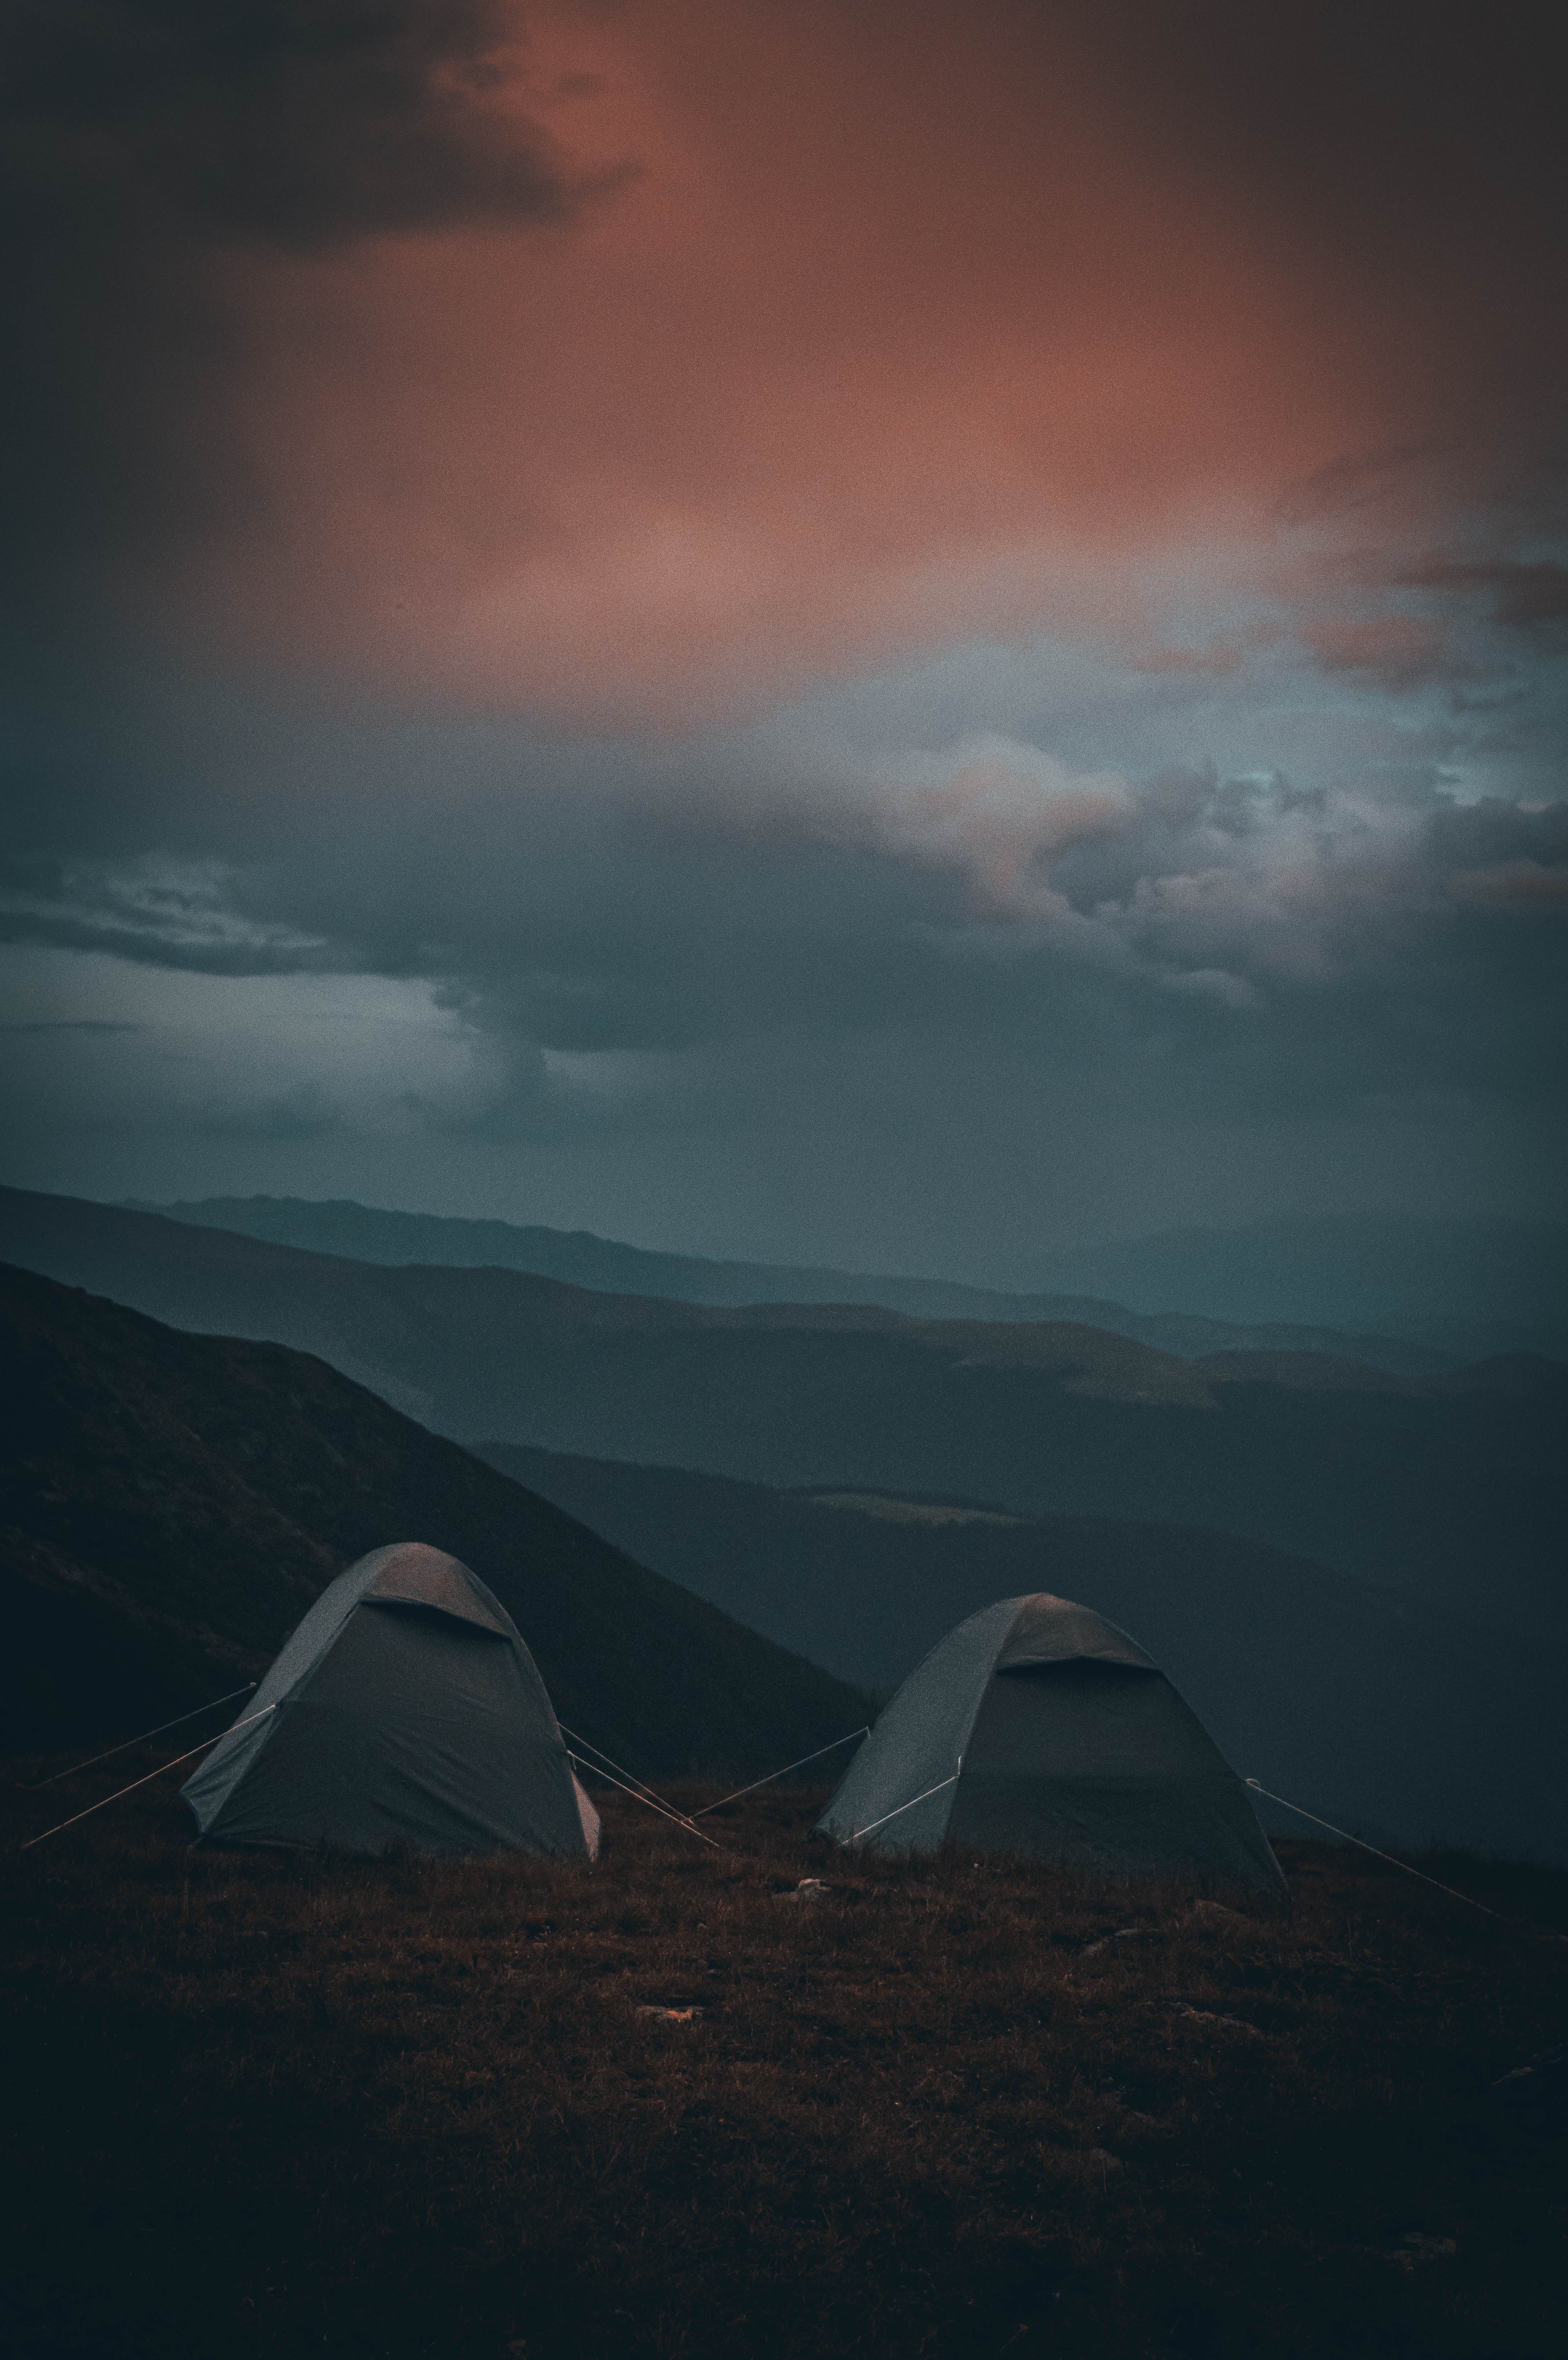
296	2104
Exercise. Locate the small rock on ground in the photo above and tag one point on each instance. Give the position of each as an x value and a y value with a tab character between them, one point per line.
1231	2023
1415	2247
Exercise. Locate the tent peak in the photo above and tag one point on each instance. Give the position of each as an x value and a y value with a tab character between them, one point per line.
1049	1630
413	1574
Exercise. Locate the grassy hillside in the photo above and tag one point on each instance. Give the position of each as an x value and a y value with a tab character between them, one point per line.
1419	1726
173	1504
1444	1489
374	1233
289	2106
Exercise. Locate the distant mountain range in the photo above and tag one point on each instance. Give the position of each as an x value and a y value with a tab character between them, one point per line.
1441	1292
1445	1488
1426	1726
172	1503
1468	1286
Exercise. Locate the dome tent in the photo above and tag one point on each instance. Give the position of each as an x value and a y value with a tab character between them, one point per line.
404	1710
1037	1726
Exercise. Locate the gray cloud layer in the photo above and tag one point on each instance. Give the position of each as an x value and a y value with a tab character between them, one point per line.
1241	938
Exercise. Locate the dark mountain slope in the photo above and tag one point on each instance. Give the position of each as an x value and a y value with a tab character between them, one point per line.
373	1233
1423	1725
1446	1489
173	1504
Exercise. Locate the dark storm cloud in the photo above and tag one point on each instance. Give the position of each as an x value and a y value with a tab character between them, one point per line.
1463	836
142	142
292	122
1393	121
153	913
305	1111
1231	943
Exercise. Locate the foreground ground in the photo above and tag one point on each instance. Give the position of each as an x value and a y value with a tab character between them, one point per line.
296	2104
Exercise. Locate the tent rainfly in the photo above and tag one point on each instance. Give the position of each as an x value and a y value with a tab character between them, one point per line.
405	1711
1037	1726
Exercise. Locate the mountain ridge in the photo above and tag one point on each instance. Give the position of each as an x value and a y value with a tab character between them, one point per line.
1444	1491
1473	1285
343	1227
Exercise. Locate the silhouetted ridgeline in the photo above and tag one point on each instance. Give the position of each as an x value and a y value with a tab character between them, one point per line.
1444	1488
173	1504
1471	1285
1407	1270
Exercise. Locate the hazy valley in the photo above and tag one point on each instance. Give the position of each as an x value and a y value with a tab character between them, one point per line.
1442	1487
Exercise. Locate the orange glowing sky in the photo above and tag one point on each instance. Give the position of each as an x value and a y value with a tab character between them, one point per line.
885	326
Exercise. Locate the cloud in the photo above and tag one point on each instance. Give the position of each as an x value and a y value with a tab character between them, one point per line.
1522	885
1396	651
302	1111
151	911
625	1010
154	151
1215	983
1354	480
602	954
71	1024
1224	656
1496	832
990	810
1523	592
297	123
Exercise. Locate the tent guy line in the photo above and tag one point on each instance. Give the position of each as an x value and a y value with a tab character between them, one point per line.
1451	1892
151	1774
910	1804
638	1785
109	1752
1059	1714
597	1772
864	1731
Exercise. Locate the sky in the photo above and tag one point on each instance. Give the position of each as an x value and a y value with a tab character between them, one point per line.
846	630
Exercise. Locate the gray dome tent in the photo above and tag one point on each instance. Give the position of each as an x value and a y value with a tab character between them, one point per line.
1037	1726
405	1710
